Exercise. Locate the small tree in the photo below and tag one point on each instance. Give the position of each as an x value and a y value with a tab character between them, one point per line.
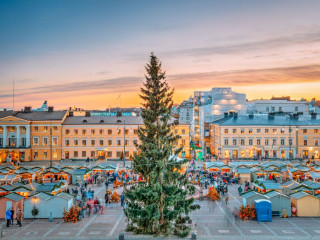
34	212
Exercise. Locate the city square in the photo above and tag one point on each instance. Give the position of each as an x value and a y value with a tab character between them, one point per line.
171	119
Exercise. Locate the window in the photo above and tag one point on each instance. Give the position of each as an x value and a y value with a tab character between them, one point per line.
76	131
234	130
242	142
296	109
45	154
316	142
35	154
127	154
83	132
226	130
93	131
118	154
93	153
305	131
250	142
305	142
84	142
55	128
67	131
274	142
119	131
135	131
93	142
109	142
315	131
109	131
226	142
258	130
266	130
109	154
45	128
35	141
67	142
280	109
234	142
101	131
45	141
118	142
55	154
135	141
126	142
75	142
290	141
258	141
55	141
183	142
282	130
274	130
84	154
267	109
250	131
273	109
75	153
282	142
126	131
36	128
266	142
183	131
101	142
242	131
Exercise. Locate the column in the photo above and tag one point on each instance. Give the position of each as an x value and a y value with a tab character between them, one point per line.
4	135
27	136
18	136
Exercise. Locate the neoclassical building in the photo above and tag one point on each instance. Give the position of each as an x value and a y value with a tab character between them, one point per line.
267	136
28	135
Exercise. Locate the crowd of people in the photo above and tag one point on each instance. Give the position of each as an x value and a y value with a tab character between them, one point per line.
10	217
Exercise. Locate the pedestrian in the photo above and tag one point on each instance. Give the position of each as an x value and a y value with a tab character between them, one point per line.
106	198
122	199
12	214
227	199
19	218
8	216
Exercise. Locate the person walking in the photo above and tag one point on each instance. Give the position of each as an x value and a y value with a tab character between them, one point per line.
227	199
12	214
19	217
122	199
8	216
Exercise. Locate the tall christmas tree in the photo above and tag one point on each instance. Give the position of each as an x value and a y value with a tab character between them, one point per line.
160	204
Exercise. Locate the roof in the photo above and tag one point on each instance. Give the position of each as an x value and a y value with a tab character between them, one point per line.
315	175
14	197
291	184
43	196
7	187
311	184
80	171
99	120
250	194
41	115
65	196
6	113
273	193
299	195
272	185
263	120
243	170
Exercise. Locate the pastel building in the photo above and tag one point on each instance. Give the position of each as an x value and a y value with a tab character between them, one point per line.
265	136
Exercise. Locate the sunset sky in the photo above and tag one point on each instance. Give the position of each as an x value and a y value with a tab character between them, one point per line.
86	53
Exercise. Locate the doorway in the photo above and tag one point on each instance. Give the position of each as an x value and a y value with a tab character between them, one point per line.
67	155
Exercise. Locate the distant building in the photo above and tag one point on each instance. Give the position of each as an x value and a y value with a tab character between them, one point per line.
212	105
277	105
186	111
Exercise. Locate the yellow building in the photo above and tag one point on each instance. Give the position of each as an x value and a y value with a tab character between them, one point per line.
265	136
31	135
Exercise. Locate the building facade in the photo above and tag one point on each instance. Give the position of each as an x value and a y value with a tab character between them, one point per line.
265	136
28	135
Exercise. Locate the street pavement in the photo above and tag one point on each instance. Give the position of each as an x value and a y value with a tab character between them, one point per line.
213	221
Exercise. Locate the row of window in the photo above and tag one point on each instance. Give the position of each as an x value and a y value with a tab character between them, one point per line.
267	142
100	142
274	130
92	154
45	141
273	109
45	154
101	131
45	128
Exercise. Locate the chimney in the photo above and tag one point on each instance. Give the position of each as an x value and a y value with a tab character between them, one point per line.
88	114
70	114
119	114
313	115
50	109
251	115
271	116
296	116
235	115
231	114
225	114
27	109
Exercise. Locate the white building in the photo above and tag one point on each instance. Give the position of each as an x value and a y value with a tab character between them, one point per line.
210	106
186	111
278	105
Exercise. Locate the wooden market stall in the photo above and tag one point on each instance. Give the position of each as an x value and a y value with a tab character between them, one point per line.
249	197
280	203
11	200
306	205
